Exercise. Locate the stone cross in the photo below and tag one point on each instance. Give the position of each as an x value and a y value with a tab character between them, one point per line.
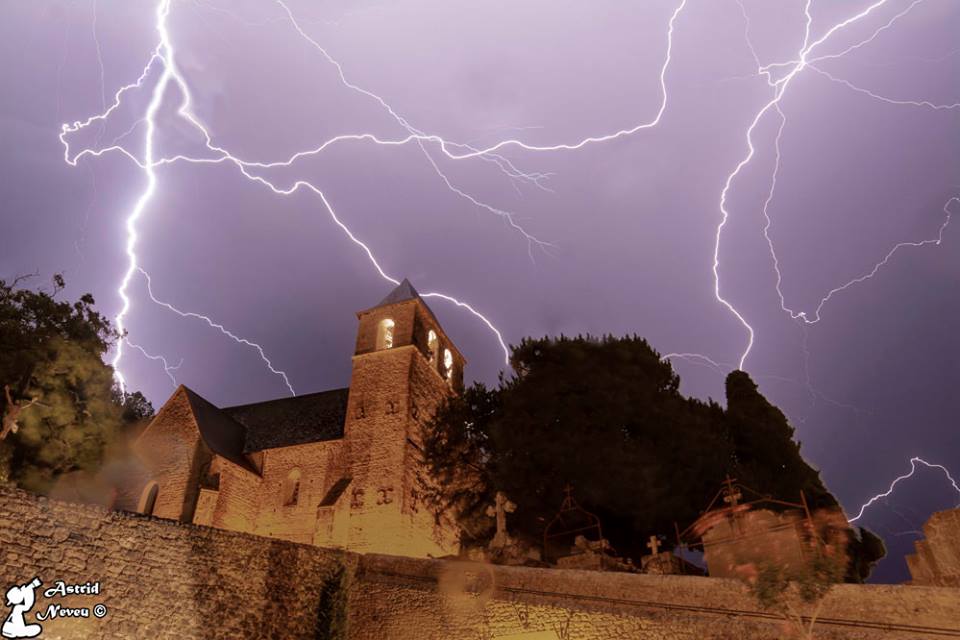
500	509
654	545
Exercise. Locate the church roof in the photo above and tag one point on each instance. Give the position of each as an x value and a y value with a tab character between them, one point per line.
223	435
312	417
403	291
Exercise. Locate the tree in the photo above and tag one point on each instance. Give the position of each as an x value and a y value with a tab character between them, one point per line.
135	408
605	415
797	594
59	408
456	445
766	457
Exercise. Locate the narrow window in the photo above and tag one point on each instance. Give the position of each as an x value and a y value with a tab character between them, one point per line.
148	499
433	345
448	365
385	334
291	488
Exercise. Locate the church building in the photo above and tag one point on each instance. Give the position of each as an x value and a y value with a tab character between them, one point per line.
338	468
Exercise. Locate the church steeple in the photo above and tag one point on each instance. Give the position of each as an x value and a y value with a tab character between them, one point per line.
403	319
404	367
403	291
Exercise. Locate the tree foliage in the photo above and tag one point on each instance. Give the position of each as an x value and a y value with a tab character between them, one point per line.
605	415
59	406
796	594
764	454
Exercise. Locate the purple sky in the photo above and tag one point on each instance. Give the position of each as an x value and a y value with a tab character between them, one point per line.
632	221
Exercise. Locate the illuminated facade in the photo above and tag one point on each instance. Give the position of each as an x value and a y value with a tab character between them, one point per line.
338	468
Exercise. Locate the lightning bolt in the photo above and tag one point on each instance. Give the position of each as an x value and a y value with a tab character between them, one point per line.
898	479
163	56
131	223
815	393
698	359
913	103
900	245
167	367
505	165
452	149
219	327
802	62
96	42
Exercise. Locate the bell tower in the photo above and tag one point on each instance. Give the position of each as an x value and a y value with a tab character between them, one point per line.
404	365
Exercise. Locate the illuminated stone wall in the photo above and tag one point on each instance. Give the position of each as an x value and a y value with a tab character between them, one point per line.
319	469
407	599
161	579
391	391
170	451
237	501
937	559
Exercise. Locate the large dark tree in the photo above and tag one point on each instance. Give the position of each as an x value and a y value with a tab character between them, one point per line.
606	416
765	455
59	406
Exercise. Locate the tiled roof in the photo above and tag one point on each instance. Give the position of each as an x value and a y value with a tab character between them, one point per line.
285	422
223	435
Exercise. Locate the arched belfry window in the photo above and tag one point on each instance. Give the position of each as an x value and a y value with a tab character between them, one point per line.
433	345
148	499
291	488
448	365
385	334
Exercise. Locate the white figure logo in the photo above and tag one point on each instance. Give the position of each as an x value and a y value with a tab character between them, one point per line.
20	600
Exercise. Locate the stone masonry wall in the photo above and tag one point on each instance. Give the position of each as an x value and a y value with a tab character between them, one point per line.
317	463
753	537
937	558
168	448
407	599
386	388
161	579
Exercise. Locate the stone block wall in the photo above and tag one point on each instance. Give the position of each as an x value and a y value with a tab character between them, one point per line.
937	560
162	579
407	599
169	449
318	465
752	537
386	388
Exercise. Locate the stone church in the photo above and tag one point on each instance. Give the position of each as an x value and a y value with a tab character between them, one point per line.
338	468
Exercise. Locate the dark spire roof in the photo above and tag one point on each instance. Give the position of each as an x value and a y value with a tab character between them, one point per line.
223	435
403	291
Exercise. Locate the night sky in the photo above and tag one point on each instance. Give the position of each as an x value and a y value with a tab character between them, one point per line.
868	160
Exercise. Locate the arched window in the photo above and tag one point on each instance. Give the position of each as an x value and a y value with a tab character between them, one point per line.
148	499
385	334
433	345
448	365
291	488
